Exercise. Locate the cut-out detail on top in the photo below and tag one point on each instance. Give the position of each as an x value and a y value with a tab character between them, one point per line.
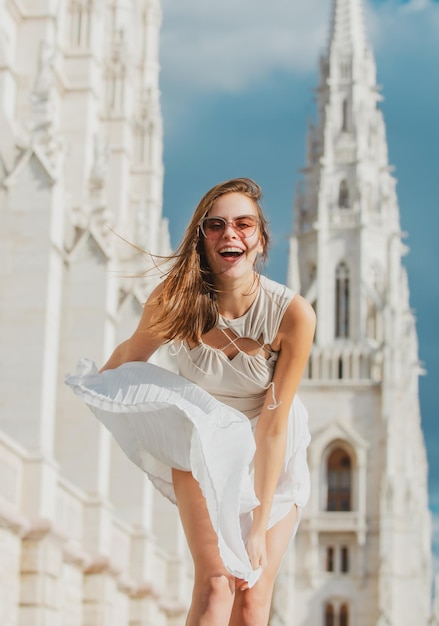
240	381
173	351
236	344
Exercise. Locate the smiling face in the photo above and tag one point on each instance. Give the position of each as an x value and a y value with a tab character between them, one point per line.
232	256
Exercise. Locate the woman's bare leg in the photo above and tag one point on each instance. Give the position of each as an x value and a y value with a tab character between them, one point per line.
214	586
252	606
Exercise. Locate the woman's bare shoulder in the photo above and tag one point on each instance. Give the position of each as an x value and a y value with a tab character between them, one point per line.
298	317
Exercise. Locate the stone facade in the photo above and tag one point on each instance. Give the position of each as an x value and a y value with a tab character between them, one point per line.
84	539
362	556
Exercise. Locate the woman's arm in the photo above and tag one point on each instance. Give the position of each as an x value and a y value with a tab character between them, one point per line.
142	344
295	340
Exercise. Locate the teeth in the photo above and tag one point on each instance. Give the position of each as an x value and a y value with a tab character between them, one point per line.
230	250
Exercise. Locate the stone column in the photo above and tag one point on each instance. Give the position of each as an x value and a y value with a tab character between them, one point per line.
41	567
12	527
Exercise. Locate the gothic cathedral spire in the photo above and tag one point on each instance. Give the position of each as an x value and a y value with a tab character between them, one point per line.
347	28
346	205
364	542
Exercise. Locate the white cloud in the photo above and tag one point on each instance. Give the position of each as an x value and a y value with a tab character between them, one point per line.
225	45
393	25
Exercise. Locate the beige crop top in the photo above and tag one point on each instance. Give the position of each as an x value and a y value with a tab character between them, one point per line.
242	381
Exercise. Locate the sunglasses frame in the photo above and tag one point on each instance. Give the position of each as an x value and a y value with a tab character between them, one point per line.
227	223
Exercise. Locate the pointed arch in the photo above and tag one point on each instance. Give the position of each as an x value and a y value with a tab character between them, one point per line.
342	300
372	321
343	195
344	559
339	473
344	116
326	440
374	302
116	72
79	23
344	615
330	559
329	614
340	368
143	133
115	87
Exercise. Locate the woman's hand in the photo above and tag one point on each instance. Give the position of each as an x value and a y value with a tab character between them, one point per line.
257	552
257	549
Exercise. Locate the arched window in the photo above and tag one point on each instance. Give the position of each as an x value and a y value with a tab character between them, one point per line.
344	615
371	322
344	116
116	73
329	615
115	87
344	559
329	559
340	368
143	132
343	195
342	301
79	27
339	481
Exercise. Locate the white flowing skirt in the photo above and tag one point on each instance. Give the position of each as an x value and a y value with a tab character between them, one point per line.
163	421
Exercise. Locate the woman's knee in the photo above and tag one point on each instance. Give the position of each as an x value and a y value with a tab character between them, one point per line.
255	604
220	584
214	589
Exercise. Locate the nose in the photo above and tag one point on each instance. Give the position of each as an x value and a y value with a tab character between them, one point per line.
228	228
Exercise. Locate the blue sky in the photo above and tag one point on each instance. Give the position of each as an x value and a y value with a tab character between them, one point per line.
237	84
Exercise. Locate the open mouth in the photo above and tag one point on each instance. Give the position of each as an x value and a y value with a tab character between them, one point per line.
231	253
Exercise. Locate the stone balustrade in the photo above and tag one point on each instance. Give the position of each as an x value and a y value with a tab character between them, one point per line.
48	576
345	364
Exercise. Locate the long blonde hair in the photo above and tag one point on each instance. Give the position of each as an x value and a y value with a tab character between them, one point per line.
187	303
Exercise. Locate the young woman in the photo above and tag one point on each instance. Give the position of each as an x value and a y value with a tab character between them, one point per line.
234	458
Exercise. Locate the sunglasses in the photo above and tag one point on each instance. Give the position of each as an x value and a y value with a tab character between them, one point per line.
214	227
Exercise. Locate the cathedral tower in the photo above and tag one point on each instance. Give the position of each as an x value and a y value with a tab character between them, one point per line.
363	550
80	160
